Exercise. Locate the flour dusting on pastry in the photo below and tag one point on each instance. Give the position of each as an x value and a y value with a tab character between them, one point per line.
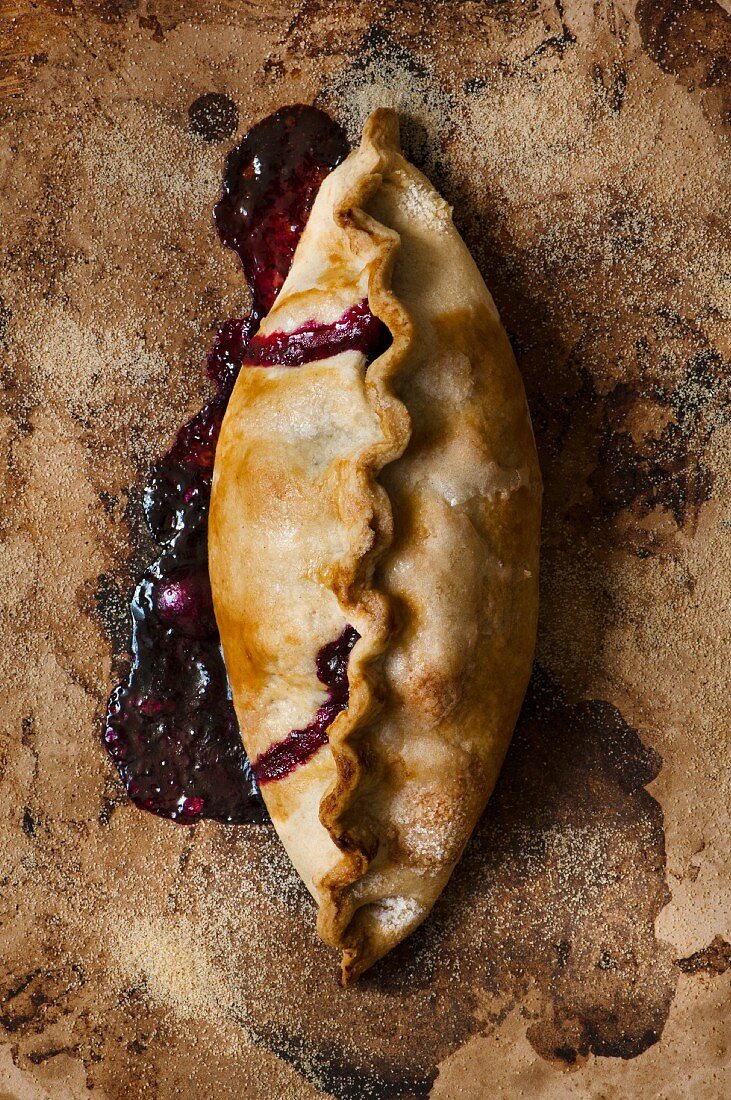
384	493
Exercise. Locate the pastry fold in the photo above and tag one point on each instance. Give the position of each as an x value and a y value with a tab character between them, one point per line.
379	506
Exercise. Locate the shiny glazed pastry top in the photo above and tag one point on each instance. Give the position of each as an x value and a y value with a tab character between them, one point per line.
373	549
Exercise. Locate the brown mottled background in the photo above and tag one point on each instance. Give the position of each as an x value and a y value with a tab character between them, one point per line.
581	950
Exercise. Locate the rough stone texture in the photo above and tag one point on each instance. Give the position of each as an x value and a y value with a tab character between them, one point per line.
582	948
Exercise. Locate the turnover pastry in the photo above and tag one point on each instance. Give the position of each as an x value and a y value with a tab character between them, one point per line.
373	549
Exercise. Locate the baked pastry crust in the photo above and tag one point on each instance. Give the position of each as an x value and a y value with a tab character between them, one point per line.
400	497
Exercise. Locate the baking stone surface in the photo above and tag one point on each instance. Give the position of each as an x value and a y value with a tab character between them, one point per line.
581	949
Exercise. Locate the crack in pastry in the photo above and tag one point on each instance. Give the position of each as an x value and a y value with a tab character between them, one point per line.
389	487
356	329
298	746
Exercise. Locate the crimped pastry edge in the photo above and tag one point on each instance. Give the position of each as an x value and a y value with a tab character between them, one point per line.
366	512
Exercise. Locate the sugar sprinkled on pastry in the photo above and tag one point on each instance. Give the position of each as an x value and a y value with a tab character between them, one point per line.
373	549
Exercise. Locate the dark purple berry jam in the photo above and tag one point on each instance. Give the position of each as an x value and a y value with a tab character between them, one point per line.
332	671
171	727
357	329
269	186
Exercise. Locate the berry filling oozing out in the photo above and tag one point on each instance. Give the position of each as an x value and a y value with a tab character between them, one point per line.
355	330
171	728
332	670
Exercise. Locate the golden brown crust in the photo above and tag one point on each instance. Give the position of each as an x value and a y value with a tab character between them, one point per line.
328	507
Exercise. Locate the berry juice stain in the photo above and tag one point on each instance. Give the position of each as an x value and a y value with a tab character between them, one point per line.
171	728
213	117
